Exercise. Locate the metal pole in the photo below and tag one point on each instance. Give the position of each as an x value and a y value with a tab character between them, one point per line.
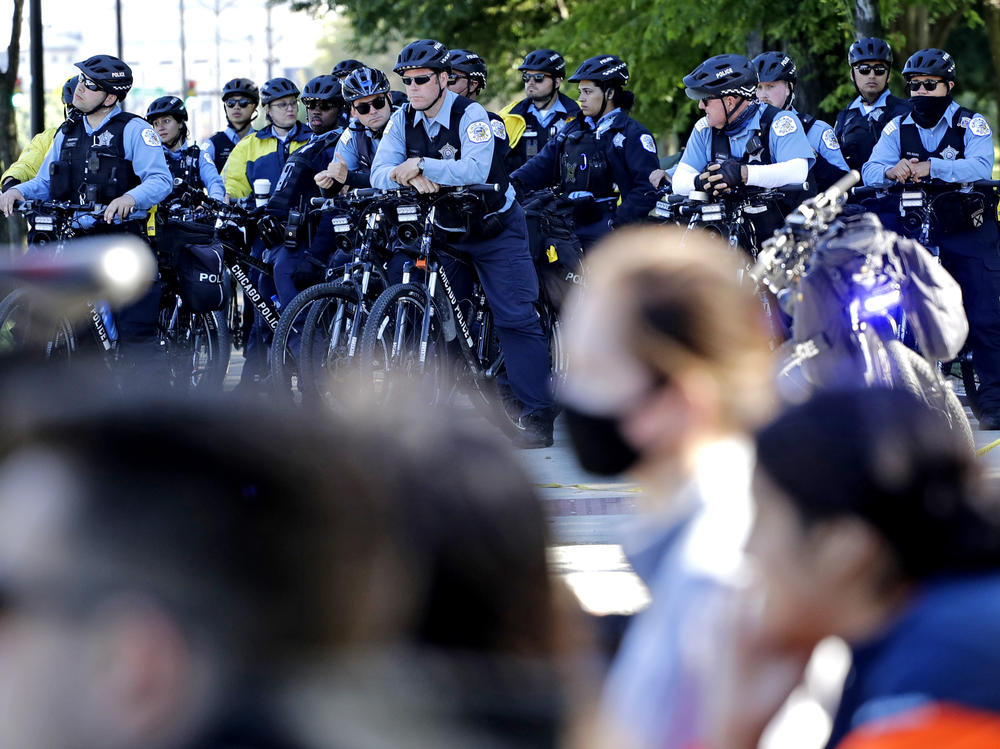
270	45
118	19
184	78
37	68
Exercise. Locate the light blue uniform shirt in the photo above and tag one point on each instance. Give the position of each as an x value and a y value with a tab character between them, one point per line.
545	117
142	148
824	142
473	167
787	140
207	171
209	147
977	164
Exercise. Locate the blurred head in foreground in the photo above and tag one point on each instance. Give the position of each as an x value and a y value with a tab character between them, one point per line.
861	496
160	557
666	351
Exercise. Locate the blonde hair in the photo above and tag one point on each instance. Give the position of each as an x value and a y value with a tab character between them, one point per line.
684	309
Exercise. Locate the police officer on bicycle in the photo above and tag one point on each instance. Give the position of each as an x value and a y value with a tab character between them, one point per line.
942	141
603	154
544	110
740	141
27	164
859	126
441	138
106	156
777	76
168	116
239	105
468	78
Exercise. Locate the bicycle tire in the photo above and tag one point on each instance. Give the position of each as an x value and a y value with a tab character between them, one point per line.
971	383
23	332
295	320
389	358
197	347
914	374
333	328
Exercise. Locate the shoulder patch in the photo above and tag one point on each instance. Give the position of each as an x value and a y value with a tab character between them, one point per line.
890	128
346	136
498	129
979	126
388	126
150	138
478	132
830	140
964	122
647	142
701	124
784	125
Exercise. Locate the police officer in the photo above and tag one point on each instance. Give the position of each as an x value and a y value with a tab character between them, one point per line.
107	156
468	78
340	71
601	155
168	116
323	101
31	158
366	90
777	76
740	141
859	126
939	140
441	138
259	156
533	120
239	101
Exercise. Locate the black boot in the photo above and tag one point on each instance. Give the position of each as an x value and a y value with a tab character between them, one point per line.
536	429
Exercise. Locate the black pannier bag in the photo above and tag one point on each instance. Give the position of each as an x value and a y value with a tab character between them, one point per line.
201	272
555	248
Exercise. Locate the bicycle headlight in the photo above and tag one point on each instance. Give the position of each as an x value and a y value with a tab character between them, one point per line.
711	212
912	199
407	213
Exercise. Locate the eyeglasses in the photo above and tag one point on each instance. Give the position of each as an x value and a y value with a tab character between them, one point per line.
285	104
241	103
89	84
455	78
927	85
536	77
417	80
325	106
365	107
869	69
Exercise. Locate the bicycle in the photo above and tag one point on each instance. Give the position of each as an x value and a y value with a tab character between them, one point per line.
840	279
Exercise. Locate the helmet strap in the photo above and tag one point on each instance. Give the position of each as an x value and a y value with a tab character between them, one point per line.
441	90
791	95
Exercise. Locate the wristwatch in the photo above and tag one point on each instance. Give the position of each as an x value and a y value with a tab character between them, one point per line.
420	164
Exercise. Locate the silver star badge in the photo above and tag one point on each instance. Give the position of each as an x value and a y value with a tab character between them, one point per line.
949	153
104	139
448	152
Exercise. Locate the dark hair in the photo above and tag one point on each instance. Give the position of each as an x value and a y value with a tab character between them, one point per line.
623	98
254	527
886	457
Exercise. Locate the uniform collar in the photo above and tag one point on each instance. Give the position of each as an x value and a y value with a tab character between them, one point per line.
443	117
607	120
86	122
558	106
230	131
860	103
754	110
296	133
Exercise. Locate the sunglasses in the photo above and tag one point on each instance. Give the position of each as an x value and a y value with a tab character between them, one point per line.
869	69
366	106
325	106
418	80
927	85
241	103
536	77
455	78
89	84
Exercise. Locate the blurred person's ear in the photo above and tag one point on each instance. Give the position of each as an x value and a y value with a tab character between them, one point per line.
850	559
146	683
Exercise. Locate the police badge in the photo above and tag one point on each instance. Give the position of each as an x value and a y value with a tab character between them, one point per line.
448	152
104	139
949	153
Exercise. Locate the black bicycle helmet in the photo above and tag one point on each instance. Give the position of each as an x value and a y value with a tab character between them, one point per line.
870	48
602	69
342	68
722	75
425	53
364	82
167	105
241	87
930	62
775	66
469	63
324	88
277	88
545	61
68	88
108	72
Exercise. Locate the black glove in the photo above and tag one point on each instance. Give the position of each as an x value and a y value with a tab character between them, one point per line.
9	183
732	173
699	184
272	231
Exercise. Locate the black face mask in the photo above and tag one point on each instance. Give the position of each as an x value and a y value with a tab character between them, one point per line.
928	110
598	443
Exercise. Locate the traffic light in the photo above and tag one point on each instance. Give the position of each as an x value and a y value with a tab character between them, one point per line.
192	89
